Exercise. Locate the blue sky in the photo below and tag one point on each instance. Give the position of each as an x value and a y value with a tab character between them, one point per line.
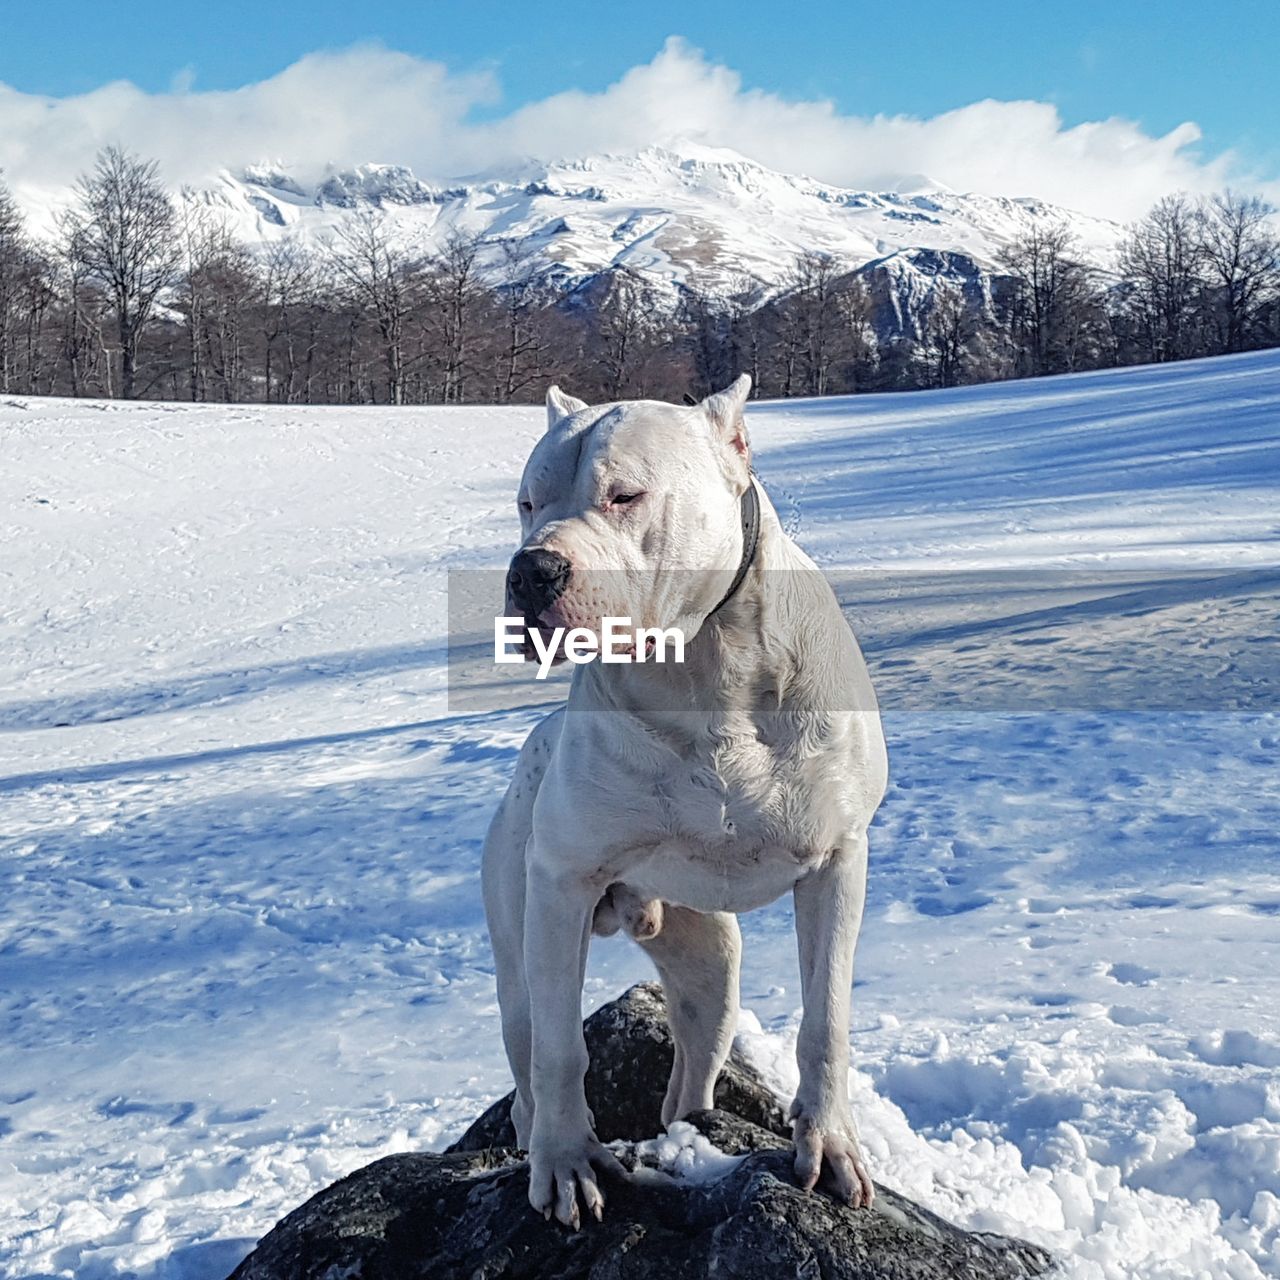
1159	64
1086	105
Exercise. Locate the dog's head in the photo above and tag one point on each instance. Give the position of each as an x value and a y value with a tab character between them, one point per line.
631	510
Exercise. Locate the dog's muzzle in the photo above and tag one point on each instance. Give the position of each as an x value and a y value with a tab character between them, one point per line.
536	579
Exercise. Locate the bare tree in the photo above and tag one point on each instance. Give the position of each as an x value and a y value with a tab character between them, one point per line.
27	295
1162	259
1053	301
84	316
201	242
1239	246
290	324
859	344
122	229
14	254
816	315
625	333
378	271
519	347
946	332
746	329
231	282
708	326
454	293
787	347
37	301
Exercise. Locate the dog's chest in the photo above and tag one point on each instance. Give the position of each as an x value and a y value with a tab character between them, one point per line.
742	793
721	875
736	832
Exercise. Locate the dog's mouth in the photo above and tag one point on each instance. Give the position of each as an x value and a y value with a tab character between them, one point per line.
549	647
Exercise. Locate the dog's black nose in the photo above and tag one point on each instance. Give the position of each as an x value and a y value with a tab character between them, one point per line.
536	578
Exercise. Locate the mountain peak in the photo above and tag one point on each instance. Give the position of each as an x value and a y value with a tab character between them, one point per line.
919	184
674	213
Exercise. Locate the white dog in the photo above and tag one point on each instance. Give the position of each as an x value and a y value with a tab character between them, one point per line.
664	799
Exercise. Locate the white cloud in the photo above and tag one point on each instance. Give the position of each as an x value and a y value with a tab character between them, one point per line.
369	103
356	105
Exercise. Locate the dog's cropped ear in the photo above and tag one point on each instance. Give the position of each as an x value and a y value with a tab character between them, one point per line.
561	406
725	411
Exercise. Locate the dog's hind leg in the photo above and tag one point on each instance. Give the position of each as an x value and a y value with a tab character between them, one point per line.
697	956
502	877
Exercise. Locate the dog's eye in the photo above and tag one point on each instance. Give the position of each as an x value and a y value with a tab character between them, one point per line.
525	505
621	499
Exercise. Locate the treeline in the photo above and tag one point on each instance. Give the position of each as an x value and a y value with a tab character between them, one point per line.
137	296
1194	278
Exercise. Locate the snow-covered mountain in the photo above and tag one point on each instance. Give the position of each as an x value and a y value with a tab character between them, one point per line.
675	216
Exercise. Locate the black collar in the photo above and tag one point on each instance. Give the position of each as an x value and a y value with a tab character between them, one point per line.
750	540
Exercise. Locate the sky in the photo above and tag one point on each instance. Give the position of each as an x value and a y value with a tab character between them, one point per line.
1099	106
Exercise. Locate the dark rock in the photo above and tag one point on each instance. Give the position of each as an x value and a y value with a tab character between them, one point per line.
465	1215
631	1051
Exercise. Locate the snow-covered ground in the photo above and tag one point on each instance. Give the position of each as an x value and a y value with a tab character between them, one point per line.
241	944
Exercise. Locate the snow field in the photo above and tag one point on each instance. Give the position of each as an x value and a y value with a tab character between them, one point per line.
242	950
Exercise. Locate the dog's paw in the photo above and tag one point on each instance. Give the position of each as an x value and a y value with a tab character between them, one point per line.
563	1174
832	1145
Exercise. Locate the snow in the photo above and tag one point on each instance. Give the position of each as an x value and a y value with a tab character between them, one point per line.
242	950
684	1153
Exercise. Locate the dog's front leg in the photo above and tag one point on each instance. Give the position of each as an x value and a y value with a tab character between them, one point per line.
828	905
563	1145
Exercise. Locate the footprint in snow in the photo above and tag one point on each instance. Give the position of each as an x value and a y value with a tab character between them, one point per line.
1132	975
